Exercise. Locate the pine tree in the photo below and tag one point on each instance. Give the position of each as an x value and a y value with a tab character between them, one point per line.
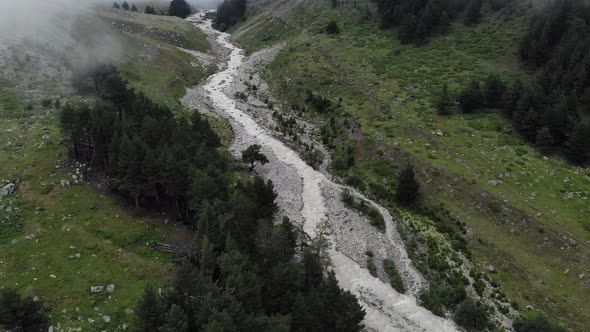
579	144
133	8
18	314
494	89
125	5
408	188
444	23
345	312
179	8
445	102
175	320
408	29
471	98
544	137
150	10
116	5
473	14
150	314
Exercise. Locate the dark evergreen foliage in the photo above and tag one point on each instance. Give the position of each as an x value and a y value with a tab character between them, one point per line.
332	28
179	8
444	104
472	316
150	10
538	323
253	156
140	146
471	98
239	256
229	13
133	8
125	5
408	188
116	5
547	112
420	19
18	314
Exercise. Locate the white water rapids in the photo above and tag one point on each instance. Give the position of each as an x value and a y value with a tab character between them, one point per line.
387	310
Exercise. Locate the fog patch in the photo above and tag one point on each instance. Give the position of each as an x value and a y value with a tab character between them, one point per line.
63	33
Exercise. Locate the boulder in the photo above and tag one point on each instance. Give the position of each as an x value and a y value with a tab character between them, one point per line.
111	288
7	190
107	319
96	289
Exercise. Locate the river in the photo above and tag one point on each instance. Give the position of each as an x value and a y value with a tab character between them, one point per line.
310	196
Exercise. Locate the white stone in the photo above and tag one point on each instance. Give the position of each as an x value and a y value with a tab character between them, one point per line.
96	289
7	190
106	318
111	288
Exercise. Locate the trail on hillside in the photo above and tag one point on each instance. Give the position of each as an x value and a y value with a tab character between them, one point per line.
309	198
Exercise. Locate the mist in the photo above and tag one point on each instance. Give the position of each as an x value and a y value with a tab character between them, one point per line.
56	36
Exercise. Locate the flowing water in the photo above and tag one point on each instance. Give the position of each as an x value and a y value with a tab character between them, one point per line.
387	310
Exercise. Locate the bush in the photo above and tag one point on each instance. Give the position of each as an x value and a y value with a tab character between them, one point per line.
354	180
471	316
536	324
332	28
471	98
394	277
371	266
18	314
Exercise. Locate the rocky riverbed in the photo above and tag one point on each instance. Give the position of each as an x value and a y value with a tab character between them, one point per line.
310	198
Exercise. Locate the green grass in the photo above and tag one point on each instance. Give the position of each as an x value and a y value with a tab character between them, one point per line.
479	168
166	77
111	241
47	220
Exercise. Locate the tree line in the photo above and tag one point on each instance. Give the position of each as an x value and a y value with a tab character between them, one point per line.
547	111
419	19
242	272
124	6
229	13
179	8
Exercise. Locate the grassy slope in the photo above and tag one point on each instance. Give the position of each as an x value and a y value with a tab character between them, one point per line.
389	88
112	241
160	69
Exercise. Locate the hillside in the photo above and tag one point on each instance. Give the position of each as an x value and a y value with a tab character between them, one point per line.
62	234
523	214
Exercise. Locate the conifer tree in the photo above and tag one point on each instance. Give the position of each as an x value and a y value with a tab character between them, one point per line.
125	5
18	314
444	23
579	144
544	137
150	314
445	102
116	5
408	188
471	98
179	8
133	8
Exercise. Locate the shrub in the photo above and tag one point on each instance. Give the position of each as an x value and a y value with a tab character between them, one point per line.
471	316
537	323
18	314
371	266
394	277
332	28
